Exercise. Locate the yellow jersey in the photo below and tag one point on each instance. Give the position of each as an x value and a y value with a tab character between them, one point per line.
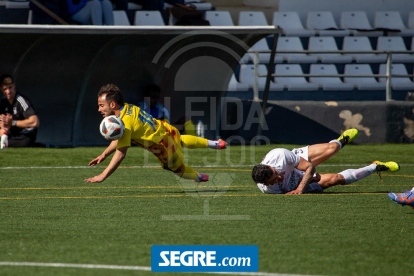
140	128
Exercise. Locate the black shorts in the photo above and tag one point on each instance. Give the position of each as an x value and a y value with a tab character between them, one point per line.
21	141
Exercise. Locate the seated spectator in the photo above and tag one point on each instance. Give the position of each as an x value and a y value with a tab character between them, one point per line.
152	106
156	4
18	120
95	12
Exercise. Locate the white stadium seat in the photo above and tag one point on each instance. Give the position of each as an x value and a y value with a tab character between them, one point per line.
287	43
219	18
391	20
234	85
293	83
324	24
291	24
261	45
357	22
252	18
362	83
410	24
148	18
386	43
361	43
328	83
247	77
397	83
121	18
327	44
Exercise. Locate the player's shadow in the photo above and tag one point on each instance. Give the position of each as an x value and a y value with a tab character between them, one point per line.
205	191
348	193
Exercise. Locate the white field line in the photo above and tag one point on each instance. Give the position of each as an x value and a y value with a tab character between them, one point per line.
125	267
158	167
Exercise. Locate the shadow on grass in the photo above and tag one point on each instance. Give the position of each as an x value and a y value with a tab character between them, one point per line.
348	193
205	191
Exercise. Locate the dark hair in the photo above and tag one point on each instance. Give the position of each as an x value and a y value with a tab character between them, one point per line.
113	93
151	88
4	77
261	173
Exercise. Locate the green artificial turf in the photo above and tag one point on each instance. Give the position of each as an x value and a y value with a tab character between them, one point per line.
49	214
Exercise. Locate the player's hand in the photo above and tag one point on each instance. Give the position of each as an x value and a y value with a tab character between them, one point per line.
6	120
98	178
295	192
97	160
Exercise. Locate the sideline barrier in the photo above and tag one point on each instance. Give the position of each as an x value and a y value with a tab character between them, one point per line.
307	122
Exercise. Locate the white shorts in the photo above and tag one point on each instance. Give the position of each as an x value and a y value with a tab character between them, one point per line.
302	152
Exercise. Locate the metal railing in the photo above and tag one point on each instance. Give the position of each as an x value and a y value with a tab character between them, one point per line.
388	74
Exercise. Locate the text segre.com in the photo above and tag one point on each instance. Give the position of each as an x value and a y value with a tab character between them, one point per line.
207	258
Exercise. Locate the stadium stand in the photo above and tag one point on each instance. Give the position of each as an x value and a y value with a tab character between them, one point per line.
362	83
291	24
410	23
361	43
293	83
391	20
357	22
247	77
394	44
121	18
252	18
148	18
234	85
219	18
327	44
292	44
261	45
324	24
328	83
397	83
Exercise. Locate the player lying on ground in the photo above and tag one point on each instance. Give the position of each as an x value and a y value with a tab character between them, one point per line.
158	137
320	182
406	198
275	174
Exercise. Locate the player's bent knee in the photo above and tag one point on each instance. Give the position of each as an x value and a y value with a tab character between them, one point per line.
340	179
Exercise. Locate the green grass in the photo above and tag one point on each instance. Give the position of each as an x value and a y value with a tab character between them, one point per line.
348	230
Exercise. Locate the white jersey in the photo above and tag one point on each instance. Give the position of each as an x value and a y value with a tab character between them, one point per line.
284	161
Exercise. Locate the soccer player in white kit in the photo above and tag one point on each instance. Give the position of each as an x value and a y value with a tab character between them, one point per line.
293	172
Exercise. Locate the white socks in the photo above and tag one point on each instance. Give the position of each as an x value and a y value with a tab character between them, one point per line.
352	175
336	141
212	144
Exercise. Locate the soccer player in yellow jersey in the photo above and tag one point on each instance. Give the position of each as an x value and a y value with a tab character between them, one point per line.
158	137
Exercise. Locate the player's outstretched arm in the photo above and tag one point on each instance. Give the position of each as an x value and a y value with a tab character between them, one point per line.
108	151
309	170
116	160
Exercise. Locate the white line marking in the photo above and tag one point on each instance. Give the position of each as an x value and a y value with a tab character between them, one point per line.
126	267
147	268
194	166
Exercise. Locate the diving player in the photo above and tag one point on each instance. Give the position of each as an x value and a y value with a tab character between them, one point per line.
158	137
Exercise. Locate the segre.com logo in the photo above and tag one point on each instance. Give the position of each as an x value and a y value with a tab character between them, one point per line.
205	258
